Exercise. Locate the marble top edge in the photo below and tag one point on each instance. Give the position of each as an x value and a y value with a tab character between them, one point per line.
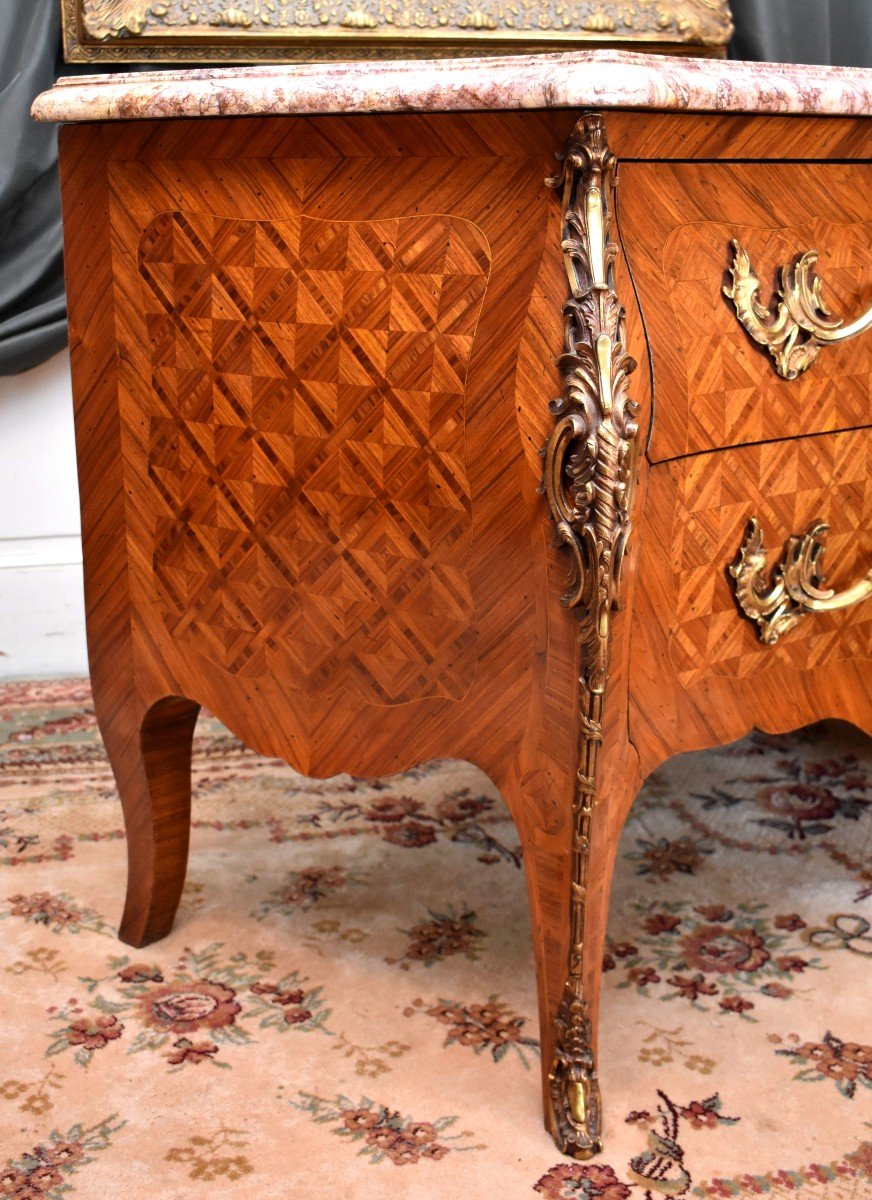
581	79
404	67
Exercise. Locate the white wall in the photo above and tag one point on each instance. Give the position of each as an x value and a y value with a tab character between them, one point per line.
42	616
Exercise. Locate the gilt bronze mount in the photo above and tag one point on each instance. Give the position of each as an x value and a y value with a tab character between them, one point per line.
589	478
801	324
796	585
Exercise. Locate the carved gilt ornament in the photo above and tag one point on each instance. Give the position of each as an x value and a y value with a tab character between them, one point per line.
270	30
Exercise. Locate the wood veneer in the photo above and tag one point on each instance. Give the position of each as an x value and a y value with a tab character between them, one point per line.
271	444
721	386
699	676
151	468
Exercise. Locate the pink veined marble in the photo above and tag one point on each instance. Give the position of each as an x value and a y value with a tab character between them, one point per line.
600	78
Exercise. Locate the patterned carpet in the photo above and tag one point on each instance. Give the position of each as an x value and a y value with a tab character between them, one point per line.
346	1006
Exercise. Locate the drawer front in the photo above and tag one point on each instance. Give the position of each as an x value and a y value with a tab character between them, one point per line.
787	487
700	673
715	387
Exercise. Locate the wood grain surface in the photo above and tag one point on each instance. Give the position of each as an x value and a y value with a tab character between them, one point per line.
312	360
181	454
306	447
700	674
721	387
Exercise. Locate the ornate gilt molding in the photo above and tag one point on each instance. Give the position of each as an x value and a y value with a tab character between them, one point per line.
232	30
796	585
589	476
801	323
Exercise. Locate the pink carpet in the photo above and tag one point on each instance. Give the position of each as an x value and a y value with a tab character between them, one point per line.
346	1007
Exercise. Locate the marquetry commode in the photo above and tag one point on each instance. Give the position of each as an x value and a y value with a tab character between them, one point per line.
319	317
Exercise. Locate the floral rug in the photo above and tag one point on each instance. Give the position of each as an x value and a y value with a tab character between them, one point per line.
346	1007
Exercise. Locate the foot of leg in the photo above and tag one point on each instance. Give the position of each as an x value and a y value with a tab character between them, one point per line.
153	772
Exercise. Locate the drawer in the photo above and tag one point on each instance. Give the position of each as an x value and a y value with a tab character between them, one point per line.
706	502
715	387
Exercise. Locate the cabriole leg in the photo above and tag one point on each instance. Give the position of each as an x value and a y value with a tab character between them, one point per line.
152	768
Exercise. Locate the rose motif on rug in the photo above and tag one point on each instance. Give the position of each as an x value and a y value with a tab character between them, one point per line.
188	1007
383	1132
802	799
443	935
712	955
57	912
226	999
460	816
577	1181
491	1026
45	1172
795	795
846	1064
302	889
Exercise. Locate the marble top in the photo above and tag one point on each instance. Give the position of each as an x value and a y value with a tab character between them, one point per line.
584	79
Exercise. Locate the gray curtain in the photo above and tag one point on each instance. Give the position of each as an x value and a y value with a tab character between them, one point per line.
32	308
803	31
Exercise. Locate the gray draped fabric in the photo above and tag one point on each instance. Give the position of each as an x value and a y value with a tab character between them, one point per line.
838	32
32	308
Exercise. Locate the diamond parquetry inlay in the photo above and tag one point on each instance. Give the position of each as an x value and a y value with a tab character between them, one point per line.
787	485
734	395
306	446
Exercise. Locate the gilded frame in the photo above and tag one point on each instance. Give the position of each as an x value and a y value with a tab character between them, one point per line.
203	31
